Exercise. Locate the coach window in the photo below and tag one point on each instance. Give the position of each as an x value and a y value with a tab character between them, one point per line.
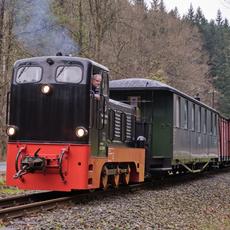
199	119
185	115
211	122
193	118
205	121
135	102
177	112
214	125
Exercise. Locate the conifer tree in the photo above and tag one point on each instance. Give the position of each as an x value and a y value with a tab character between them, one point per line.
226	23
155	5
199	17
219	19
162	6
191	15
175	13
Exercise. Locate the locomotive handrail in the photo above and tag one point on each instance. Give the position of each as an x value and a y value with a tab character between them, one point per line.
111	118
103	113
123	126
92	108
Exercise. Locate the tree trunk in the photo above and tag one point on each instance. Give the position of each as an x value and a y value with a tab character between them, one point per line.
80	41
6	18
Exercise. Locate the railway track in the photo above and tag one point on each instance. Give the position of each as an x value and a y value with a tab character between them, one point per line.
22	205
18	206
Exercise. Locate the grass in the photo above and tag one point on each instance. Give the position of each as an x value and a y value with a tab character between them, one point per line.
7	190
2	181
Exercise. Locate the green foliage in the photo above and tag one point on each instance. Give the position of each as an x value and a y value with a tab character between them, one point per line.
219	19
199	17
217	43
8	190
191	14
2	181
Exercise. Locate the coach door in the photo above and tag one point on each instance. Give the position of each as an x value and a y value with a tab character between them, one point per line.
99	117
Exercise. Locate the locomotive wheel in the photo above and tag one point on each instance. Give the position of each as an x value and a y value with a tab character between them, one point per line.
116	178
105	178
126	176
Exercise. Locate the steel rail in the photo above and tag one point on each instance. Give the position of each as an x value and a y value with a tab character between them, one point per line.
27	198
21	210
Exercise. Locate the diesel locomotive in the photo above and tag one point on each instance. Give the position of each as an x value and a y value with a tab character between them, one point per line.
62	137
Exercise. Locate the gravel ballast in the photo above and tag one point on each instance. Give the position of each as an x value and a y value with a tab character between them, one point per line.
202	203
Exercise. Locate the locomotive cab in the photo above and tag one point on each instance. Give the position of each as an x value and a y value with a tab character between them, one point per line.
50	91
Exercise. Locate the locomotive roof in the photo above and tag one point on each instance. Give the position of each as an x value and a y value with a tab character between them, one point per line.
60	58
140	84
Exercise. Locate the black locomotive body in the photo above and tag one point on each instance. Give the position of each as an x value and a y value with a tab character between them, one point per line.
61	135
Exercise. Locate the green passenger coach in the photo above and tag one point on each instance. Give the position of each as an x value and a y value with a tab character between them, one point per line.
178	131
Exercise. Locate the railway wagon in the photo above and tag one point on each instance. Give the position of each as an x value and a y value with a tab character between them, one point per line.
61	136
180	133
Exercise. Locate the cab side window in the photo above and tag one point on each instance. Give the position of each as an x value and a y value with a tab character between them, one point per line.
105	84
100	83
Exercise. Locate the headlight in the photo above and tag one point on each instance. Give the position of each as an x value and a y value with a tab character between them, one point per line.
81	132
11	130
46	89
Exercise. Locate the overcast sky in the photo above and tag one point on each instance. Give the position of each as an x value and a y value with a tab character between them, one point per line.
209	7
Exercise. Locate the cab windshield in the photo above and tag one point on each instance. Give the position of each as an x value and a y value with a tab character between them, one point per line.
69	74
28	74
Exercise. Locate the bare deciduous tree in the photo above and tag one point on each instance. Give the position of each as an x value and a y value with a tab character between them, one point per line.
6	40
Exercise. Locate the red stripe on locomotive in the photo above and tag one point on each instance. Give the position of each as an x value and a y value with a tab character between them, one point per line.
74	167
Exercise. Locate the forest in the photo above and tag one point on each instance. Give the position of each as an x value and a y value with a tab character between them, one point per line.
132	39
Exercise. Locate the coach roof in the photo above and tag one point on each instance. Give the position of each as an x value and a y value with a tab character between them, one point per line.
138	84
142	84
